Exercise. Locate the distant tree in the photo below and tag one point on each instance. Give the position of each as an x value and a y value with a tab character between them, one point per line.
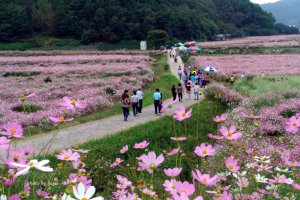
157	38
43	16
14	22
283	29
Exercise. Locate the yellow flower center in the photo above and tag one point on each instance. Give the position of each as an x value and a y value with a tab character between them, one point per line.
184	191
229	134
61	118
13	130
230	167
173	186
243	184
251	115
16	156
73	102
183	114
204	151
30	163
204	180
264	168
84	198
66	157
294	123
117	161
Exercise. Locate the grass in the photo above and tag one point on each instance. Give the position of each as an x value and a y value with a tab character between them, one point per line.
254	86
157	133
163	79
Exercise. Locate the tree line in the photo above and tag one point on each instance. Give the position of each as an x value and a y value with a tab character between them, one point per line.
115	20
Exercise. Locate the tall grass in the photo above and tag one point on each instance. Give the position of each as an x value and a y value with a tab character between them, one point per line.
260	85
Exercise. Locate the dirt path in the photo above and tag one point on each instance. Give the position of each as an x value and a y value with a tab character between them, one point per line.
65	138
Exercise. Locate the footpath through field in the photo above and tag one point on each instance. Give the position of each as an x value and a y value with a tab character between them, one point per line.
75	135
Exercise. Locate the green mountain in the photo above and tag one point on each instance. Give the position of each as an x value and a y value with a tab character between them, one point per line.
116	20
285	11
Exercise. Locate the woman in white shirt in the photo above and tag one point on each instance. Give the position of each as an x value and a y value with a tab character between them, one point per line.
135	103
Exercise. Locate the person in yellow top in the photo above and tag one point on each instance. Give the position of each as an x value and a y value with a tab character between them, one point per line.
231	79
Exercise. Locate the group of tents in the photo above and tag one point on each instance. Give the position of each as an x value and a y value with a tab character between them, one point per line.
191	46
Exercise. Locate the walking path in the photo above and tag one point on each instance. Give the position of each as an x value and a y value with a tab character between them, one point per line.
75	135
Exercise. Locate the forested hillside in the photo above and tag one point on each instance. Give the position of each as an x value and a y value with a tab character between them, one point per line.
285	11
116	20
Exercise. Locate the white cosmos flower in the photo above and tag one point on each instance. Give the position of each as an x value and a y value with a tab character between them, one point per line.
261	179
33	164
80	193
239	175
272	187
262	159
286	170
3	197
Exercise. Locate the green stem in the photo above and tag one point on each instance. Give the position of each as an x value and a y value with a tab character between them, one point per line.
33	186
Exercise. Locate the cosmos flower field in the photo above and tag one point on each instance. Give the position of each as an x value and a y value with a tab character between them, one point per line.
253	64
94	80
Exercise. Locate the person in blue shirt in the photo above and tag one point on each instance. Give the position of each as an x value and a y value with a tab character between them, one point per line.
157	100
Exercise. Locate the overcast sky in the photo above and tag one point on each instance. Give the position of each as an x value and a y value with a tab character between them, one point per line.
263	1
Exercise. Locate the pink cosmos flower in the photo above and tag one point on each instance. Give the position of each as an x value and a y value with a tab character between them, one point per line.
9	182
72	104
249	151
225	196
292	125
43	194
123	182
279	179
79	165
205	179
27	150
181	196
243	182
60	119
232	164
250	116
80	179
31	95
169	185
17	156
217	137
149	192
181	115
184	187
230	134
296	186
15	197
204	150
264	168
179	138
172	172
116	163
141	145
68	155
173	152
124	149
199	198
13	130
4	143
291	163
150	162
221	118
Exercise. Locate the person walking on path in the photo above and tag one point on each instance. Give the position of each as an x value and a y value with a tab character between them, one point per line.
188	89
135	103
125	102
196	91
184	78
179	92
140	95
180	72
157	99
231	79
174	93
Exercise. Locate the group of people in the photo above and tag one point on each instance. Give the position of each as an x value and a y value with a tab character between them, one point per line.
230	78
194	75
136	101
